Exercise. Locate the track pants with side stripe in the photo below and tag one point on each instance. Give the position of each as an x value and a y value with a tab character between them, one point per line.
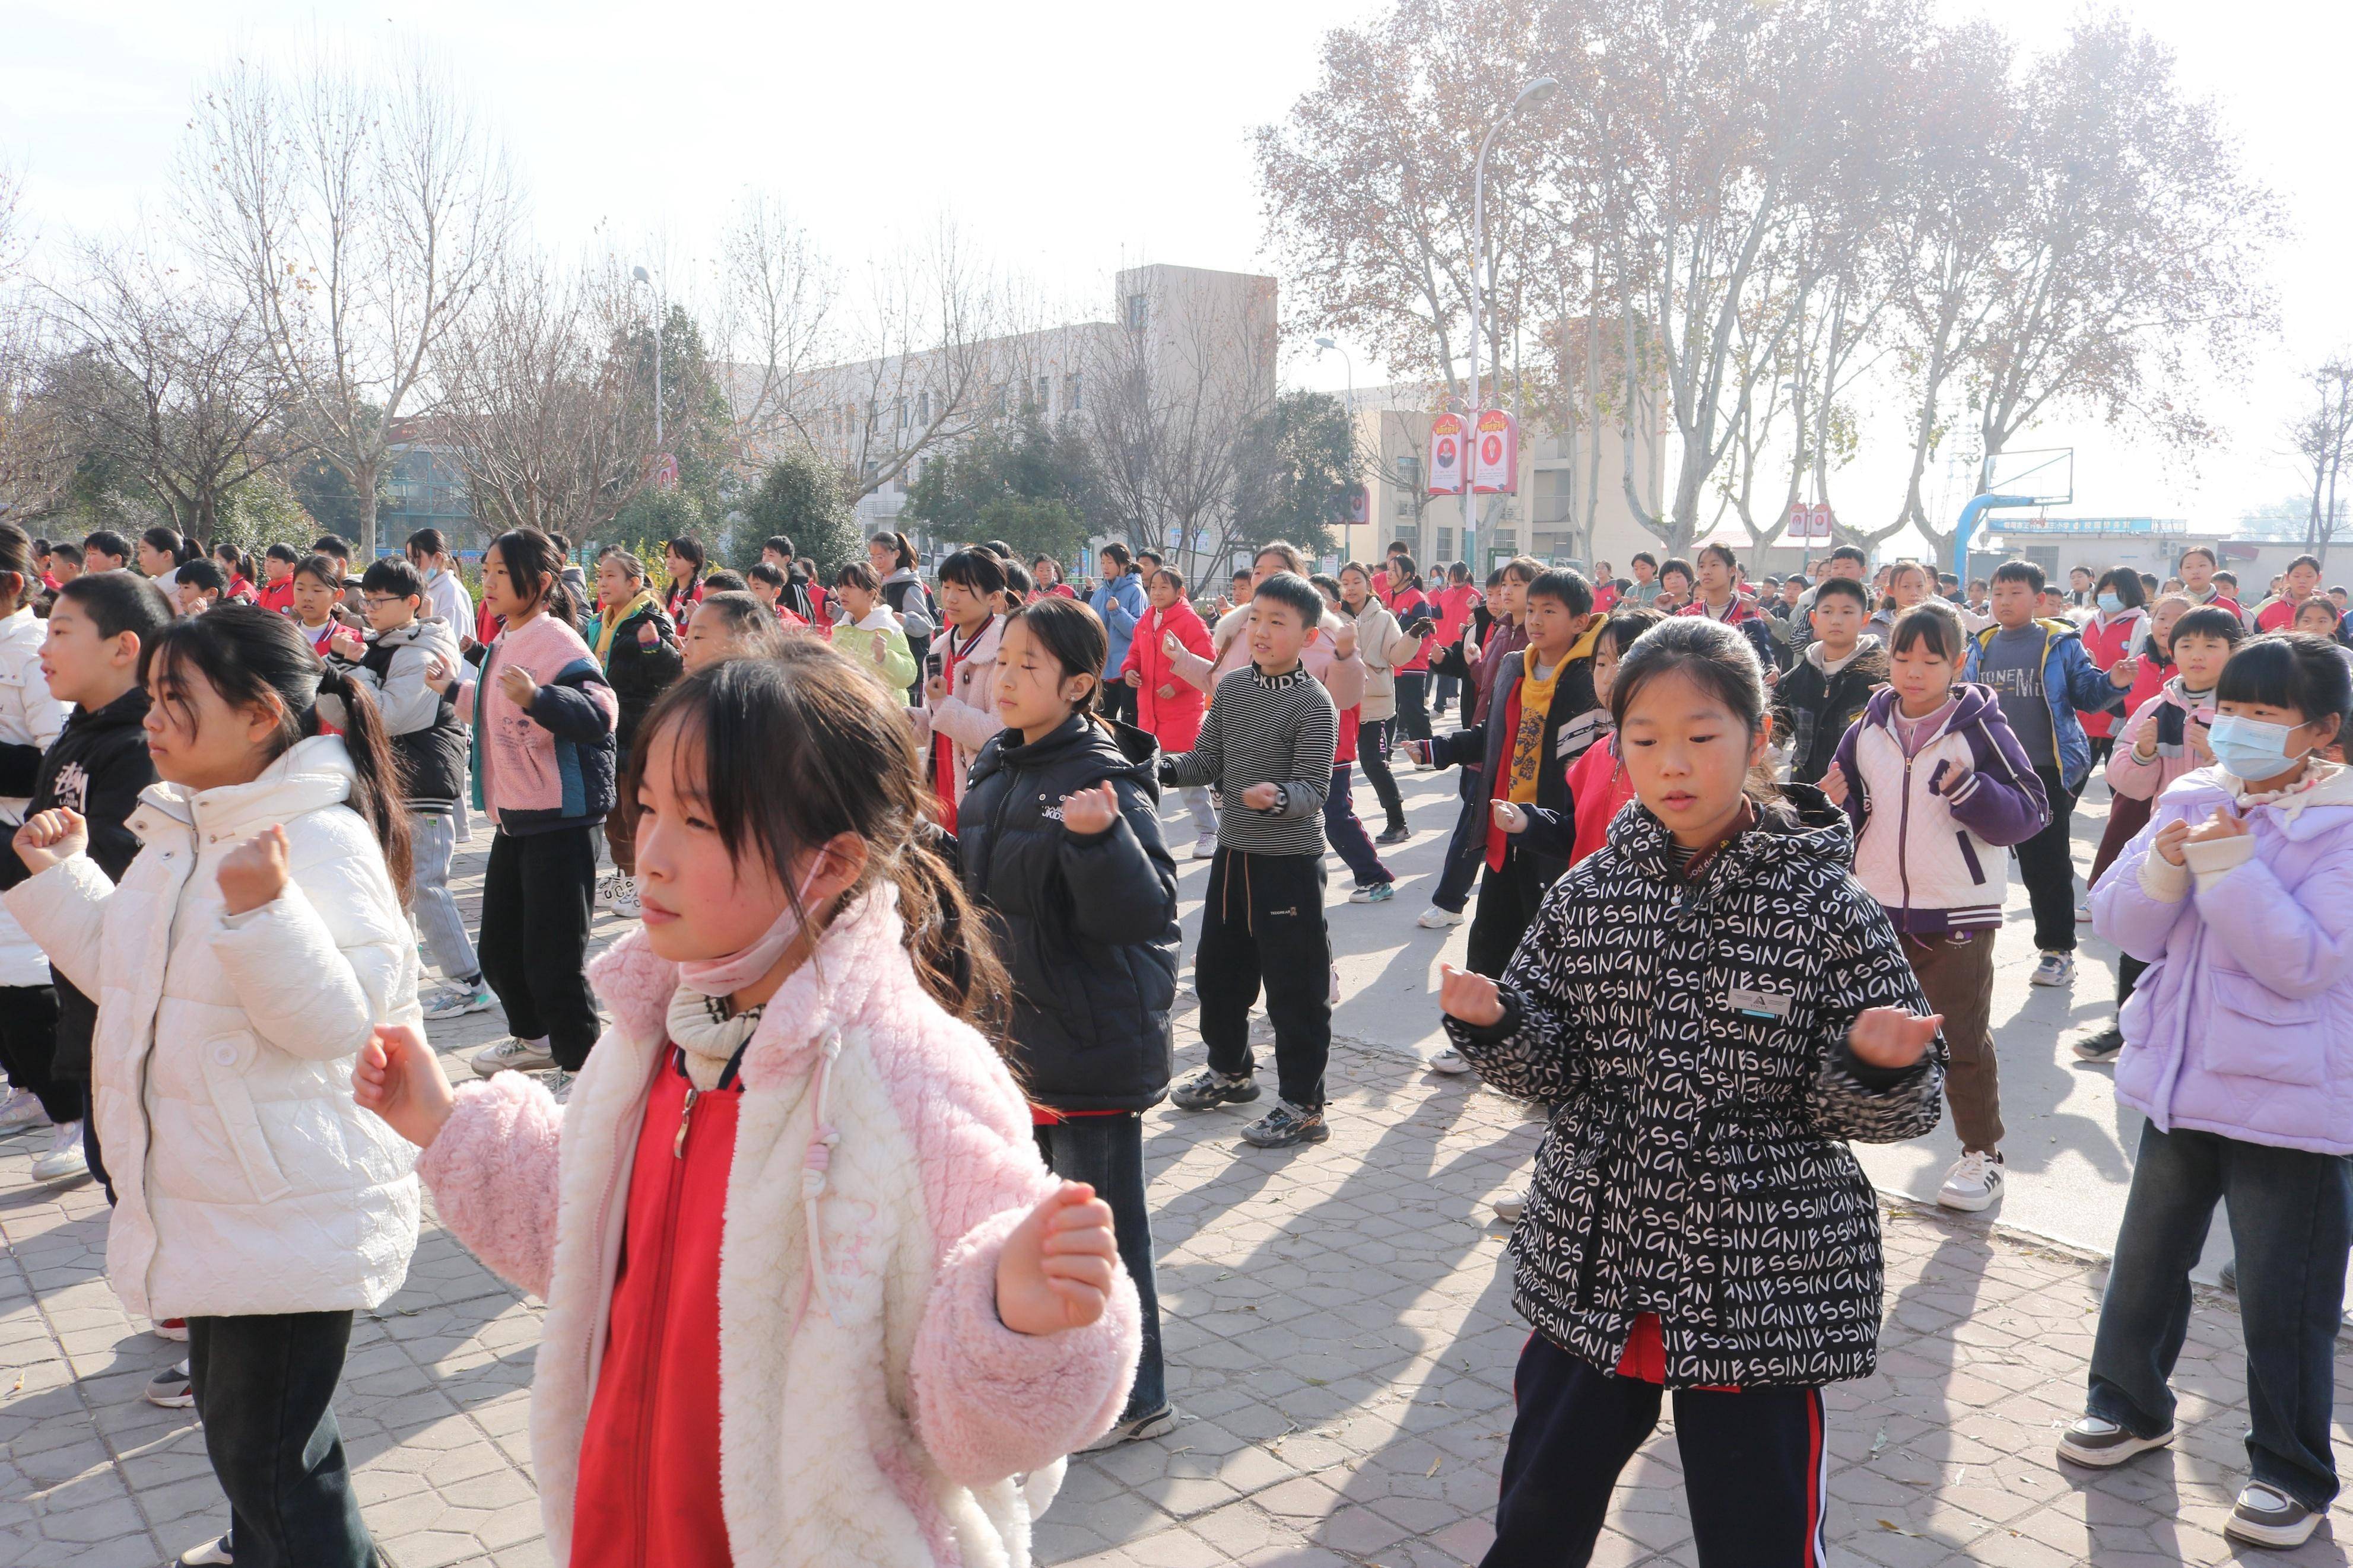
1754	1460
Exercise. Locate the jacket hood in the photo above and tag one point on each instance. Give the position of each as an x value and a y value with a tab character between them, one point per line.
878	619
1869	649
903	574
1125	751
310	777
1971	701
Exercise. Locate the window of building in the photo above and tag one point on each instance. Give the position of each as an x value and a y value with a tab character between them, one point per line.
1408	480
1552	496
1070	392
1445	544
1045	393
1139	311
1504	541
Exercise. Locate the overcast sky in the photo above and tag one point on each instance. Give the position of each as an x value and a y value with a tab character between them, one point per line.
1067	139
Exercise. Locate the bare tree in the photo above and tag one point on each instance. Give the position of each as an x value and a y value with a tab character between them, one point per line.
38	447
2319	440
544	411
774	324
358	211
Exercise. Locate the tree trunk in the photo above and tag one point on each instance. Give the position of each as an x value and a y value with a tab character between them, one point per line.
363	478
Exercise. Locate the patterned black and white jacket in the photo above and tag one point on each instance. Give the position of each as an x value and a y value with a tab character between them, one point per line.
1691	1037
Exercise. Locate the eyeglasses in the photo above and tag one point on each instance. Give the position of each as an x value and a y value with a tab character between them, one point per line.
379	601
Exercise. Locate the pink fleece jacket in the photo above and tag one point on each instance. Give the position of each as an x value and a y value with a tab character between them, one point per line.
872	1408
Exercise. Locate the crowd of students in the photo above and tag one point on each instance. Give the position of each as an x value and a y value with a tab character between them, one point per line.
897	996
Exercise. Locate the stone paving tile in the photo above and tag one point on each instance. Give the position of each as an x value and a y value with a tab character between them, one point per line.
1340	1340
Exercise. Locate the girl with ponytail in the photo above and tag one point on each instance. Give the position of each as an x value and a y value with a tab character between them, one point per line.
240	966
913	1321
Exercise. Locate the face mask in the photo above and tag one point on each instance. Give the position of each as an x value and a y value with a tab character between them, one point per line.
2110	605
726	976
2251	748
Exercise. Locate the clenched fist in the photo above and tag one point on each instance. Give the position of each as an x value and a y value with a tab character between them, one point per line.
254	873
1891	1038
50	837
518	686
1091	810
1474	998
1058	1265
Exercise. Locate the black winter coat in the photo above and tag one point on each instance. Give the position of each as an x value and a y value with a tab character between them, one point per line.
1816	711
1088	926
640	675
1690	1035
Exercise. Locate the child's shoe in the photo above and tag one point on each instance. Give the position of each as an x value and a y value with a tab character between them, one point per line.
171	1388
1451	1062
1395	833
1285	1125
2056	969
2104	1046
1373	893
213	1553
1132	1429
456	1000
1973	1184
1436	918
2266	1518
2101	1443
1213	1087
65	1161
513	1056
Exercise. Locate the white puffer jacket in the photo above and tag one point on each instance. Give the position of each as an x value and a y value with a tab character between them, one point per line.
246	1181
29	716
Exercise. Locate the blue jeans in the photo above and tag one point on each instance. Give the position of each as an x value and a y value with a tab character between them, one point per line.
1466	852
1347	834
1444	689
1107	1154
2291	1220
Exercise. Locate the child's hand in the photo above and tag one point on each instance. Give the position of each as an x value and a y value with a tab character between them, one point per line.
1343	641
1136	677
936	690
439	673
1948	777
49	836
1891	1038
399	1079
254	873
347	644
1057	1268
1474	998
1510	817
2224	824
647	636
1167	692
1419	751
1091	810
518	686
2124	673
1262	796
1169	644
2198	736
2169	840
1834	784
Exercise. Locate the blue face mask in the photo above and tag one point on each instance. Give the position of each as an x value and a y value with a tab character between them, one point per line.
2110	605
2252	749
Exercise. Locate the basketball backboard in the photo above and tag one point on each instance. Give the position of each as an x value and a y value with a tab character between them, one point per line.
2043	477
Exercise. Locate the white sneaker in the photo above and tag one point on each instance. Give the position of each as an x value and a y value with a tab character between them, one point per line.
624	903
513	1056
1510	1206
213	1553
1206	846
1973	1182
616	885
1449	1062
21	1108
65	1161
2084	912
1436	918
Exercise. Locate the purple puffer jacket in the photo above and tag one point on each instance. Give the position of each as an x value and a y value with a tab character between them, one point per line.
2243	1024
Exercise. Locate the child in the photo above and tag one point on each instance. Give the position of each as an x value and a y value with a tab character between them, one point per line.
870	637
767	584
905	596
196	586
31	719
1455	602
317	589
1168	706
1268	744
1505	632
2238	896
1542	718
793	1047
236	570
959	713
240	966
1061	845
2040	670
1697	1221
399	667
1598	782
544	715
1118	601
2165	740
1937	788
93	656
2113	634
1833	679
636	646
800	597
729	624
1417	618
1387	648
683	558
1674	587
1343	829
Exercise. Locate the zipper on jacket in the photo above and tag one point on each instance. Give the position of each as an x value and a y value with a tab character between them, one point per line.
666	1245
1903	835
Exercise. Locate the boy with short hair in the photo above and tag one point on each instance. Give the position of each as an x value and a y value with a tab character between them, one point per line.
1269	743
197	586
398	665
767	583
2300	582
1830	684
95	656
2037	665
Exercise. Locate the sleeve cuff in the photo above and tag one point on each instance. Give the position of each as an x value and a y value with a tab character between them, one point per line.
2163	881
1876	1079
1503	1028
2215	858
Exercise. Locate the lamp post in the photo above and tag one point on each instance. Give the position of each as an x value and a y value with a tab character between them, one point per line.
1348	528
642	275
1536	91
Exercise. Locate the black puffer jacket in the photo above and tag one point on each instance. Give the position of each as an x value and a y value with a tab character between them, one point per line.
1087	925
638	674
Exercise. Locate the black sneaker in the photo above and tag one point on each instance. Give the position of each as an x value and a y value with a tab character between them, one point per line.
1135	1429
2102	1047
1285	1125
1396	833
2101	1443
1213	1087
2268	1518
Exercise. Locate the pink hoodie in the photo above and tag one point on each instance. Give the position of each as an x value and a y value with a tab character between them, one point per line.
2138	780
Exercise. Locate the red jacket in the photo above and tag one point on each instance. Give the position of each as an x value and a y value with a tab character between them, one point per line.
278	596
1408	599
2108	640
1454	607
1598	785
1174	721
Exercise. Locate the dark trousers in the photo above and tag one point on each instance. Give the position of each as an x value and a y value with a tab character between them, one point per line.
1373	744
28	1050
1956	973
2046	864
2291	1219
1508	900
265	1388
1118	700
1444	689
1347	834
90	1150
1262	922
537	894
1412	718
1466	851
1754	1466
1107	1154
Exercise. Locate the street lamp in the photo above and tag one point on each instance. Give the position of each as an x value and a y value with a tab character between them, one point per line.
640	275
1347	528
1536	91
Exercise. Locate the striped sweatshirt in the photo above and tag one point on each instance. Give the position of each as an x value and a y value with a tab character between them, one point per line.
1265	729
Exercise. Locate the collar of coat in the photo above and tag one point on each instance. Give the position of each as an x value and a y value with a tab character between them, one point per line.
310	775
1777	837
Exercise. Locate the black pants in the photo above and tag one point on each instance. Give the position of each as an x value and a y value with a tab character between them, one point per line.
1508	900
1107	1154
1465	850
265	1388
538	893
1262	922
1373	741
2046	864
28	1050
90	1150
1755	1469
1116	699
1412	720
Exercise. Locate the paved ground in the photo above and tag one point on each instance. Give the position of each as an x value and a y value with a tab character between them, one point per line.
1341	1342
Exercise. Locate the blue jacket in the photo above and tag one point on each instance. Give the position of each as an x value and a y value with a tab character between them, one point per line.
2070	681
1120	603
